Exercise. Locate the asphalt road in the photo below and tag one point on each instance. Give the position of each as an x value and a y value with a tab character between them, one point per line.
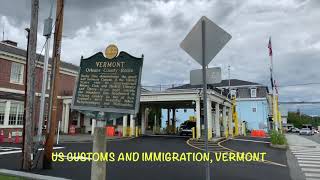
164	170
315	138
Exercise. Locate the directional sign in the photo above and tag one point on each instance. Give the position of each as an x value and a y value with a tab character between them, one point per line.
215	39
213	76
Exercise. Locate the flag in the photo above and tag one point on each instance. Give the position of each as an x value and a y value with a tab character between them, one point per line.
270	47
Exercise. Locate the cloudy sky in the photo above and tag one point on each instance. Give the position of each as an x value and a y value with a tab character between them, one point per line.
156	28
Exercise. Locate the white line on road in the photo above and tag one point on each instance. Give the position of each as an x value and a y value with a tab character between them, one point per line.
307	158
19	151
309	162
309	165
312	178
312	175
311	170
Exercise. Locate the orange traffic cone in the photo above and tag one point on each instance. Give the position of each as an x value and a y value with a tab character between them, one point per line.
1	136
16	139
9	138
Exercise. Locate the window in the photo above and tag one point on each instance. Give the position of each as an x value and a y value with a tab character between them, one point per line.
254	109
2	112
253	92
16	73
16	113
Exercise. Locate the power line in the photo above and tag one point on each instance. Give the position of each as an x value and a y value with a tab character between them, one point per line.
302	84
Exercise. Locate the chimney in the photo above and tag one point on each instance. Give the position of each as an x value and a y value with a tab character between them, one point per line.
9	42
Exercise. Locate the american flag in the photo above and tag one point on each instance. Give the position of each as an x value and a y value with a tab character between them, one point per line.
270	47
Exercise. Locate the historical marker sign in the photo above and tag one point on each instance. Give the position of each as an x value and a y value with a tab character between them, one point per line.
108	85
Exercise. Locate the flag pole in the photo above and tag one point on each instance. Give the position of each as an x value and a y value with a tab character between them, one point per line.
274	113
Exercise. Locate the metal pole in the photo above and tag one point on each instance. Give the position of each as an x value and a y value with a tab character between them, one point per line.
43	88
58	132
204	77
98	168
28	135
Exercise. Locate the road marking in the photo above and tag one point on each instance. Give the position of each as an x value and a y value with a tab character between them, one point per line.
312	179
312	175
309	165
309	162
19	151
231	150
311	169
249	140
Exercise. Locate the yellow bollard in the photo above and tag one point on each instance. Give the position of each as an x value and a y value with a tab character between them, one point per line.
137	131
193	133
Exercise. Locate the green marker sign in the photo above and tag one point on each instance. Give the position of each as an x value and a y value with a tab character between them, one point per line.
109	85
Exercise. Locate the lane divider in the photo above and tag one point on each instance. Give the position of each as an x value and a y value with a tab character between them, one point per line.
231	150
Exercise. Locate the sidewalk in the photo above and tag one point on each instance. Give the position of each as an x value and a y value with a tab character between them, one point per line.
303	157
297	140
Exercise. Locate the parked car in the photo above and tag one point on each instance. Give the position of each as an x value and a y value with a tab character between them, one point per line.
316	131
294	130
305	131
186	128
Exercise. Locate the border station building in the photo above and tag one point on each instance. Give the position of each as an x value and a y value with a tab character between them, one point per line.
251	100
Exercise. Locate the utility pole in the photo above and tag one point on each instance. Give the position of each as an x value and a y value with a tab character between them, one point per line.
47	161
29	118
25	97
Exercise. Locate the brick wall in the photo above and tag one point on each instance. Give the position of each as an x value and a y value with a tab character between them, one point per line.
66	83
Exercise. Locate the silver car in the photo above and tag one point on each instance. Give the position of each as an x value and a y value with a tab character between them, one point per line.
305	131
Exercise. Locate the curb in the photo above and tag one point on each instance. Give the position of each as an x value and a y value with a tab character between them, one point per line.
278	146
28	175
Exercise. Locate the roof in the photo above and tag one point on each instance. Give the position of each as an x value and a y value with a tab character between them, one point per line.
223	83
21	52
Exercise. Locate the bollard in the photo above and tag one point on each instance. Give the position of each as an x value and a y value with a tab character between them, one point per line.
9	137
193	133
16	138
137	131
1	136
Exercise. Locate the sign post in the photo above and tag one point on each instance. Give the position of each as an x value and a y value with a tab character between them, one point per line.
107	87
203	43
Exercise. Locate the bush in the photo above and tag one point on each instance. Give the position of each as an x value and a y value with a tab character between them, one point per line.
277	138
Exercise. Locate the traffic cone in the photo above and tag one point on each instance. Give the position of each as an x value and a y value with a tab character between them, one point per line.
1	136
16	139
9	138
